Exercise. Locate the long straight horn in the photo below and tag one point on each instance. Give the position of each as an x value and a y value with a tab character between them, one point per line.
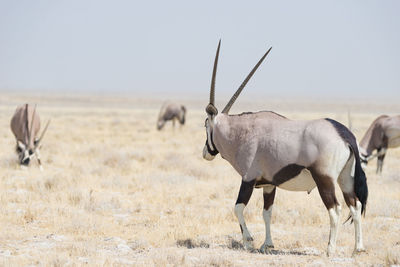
27	123
237	93
32	121
211	109
41	136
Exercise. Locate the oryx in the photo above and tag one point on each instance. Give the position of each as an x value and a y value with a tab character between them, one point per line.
269	151
171	112
383	133
25	125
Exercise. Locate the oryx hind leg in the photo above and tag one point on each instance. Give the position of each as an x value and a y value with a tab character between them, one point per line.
269	196
346	183
326	189
246	189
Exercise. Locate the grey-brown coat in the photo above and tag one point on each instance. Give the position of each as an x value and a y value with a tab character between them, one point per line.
269	151
383	133
171	112
25	125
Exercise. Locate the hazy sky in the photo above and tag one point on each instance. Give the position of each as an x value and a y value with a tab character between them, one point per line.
320	48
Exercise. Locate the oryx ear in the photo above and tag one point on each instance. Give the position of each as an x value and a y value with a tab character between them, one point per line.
211	110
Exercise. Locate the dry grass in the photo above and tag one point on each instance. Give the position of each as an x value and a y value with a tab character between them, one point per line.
117	192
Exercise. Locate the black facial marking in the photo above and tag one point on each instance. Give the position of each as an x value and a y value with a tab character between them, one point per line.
25	162
246	189
211	151
286	173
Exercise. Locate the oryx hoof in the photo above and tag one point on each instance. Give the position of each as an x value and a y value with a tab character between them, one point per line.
248	245
249	239
330	251
357	251
266	248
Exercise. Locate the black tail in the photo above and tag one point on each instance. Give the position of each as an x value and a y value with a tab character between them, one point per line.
360	180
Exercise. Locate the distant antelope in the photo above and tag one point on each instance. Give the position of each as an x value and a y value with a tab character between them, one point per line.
25	125
383	133
171	112
269	151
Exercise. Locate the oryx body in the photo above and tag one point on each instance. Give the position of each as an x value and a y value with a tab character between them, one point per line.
171	112
269	151
383	133
25	125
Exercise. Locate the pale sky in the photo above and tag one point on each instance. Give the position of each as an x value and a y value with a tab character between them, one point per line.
341	49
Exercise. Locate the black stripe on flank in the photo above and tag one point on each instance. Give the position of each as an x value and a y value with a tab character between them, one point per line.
286	173
283	175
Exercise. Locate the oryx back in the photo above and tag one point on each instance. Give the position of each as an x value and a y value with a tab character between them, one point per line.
391	127
279	151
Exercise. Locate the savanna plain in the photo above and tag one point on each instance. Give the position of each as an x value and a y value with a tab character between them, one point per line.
115	191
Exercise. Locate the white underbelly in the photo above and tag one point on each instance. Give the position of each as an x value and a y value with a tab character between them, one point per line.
302	182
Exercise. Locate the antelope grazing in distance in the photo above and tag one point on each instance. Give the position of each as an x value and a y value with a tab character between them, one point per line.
171	112
25	125
269	151
383	133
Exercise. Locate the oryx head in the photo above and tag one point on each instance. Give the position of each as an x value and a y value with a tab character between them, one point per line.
26	152
210	150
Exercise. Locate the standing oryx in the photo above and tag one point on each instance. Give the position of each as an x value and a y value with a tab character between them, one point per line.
269	151
171	111
383	133
25	125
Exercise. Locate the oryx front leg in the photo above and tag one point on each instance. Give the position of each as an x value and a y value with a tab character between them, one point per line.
246	189
37	153
381	157
269	196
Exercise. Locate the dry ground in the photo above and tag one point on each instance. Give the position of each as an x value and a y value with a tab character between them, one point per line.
117	192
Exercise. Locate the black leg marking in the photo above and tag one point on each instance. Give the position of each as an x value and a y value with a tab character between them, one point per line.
246	189
326	188
269	199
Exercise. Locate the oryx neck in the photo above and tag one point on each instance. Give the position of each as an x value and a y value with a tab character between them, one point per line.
367	144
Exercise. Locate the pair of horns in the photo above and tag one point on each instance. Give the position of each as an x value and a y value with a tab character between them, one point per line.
211	109
30	128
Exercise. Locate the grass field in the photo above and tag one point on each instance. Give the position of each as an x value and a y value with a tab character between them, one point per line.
115	191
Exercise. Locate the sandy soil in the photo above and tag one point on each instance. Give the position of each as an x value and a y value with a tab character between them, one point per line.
115	191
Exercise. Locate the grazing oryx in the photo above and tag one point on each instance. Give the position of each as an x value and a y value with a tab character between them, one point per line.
383	133
171	111
269	151
25	125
